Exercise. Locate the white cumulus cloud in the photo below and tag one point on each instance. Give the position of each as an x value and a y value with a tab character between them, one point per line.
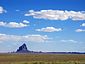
49	29
25	38
80	30
2	10
83	24
26	21
57	14
13	24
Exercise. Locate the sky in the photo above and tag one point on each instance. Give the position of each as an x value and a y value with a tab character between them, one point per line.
44	25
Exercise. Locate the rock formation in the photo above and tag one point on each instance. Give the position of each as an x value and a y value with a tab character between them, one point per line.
22	49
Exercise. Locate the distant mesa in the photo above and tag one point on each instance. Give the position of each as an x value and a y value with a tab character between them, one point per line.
22	49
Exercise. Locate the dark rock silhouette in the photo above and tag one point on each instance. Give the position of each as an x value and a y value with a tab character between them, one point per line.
22	49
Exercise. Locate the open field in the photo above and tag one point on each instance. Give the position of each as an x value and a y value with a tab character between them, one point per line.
42	59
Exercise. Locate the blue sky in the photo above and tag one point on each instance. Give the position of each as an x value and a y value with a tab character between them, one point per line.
44	25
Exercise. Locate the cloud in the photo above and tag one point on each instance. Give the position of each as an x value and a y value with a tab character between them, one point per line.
17	10
57	14
80	30
26	38
13	24
83	24
36	38
72	41
2	10
49	29
2	23
26	21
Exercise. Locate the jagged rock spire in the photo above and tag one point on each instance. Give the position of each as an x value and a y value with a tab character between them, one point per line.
22	49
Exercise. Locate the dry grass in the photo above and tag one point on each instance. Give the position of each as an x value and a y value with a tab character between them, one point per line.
42	59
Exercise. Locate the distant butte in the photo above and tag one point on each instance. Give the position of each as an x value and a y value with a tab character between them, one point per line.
22	49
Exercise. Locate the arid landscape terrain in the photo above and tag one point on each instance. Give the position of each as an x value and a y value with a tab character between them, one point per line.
42	31
42	58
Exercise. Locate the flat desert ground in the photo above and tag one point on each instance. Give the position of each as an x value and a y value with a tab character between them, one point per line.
9	58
